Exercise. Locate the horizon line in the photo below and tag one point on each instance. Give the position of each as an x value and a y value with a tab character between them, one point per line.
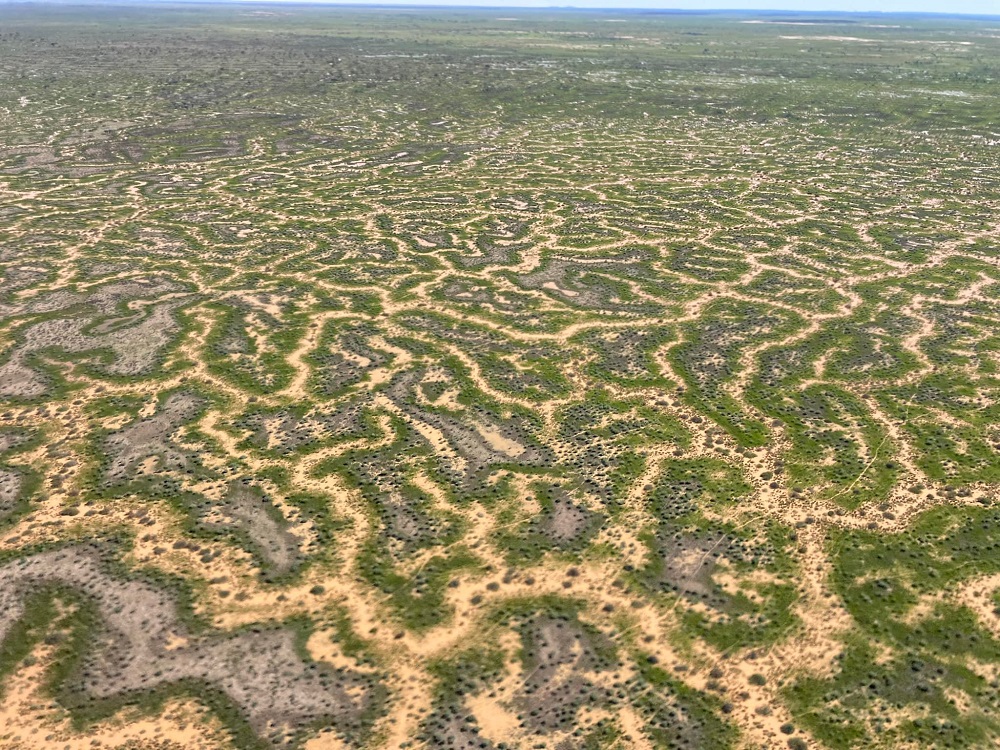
418	4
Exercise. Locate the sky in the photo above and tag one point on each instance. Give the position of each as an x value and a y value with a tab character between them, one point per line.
985	7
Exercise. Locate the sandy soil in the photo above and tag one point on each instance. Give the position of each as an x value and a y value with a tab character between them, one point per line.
231	593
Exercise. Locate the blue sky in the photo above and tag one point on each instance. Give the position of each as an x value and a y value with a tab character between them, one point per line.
990	7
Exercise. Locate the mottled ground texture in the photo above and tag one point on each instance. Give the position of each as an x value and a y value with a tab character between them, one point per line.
383	379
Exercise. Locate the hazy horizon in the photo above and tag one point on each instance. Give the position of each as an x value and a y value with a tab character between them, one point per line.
962	7
970	7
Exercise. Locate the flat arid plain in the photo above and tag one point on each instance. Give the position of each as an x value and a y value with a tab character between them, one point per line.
511	379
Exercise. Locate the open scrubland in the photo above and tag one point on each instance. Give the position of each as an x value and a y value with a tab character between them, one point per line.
498	379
